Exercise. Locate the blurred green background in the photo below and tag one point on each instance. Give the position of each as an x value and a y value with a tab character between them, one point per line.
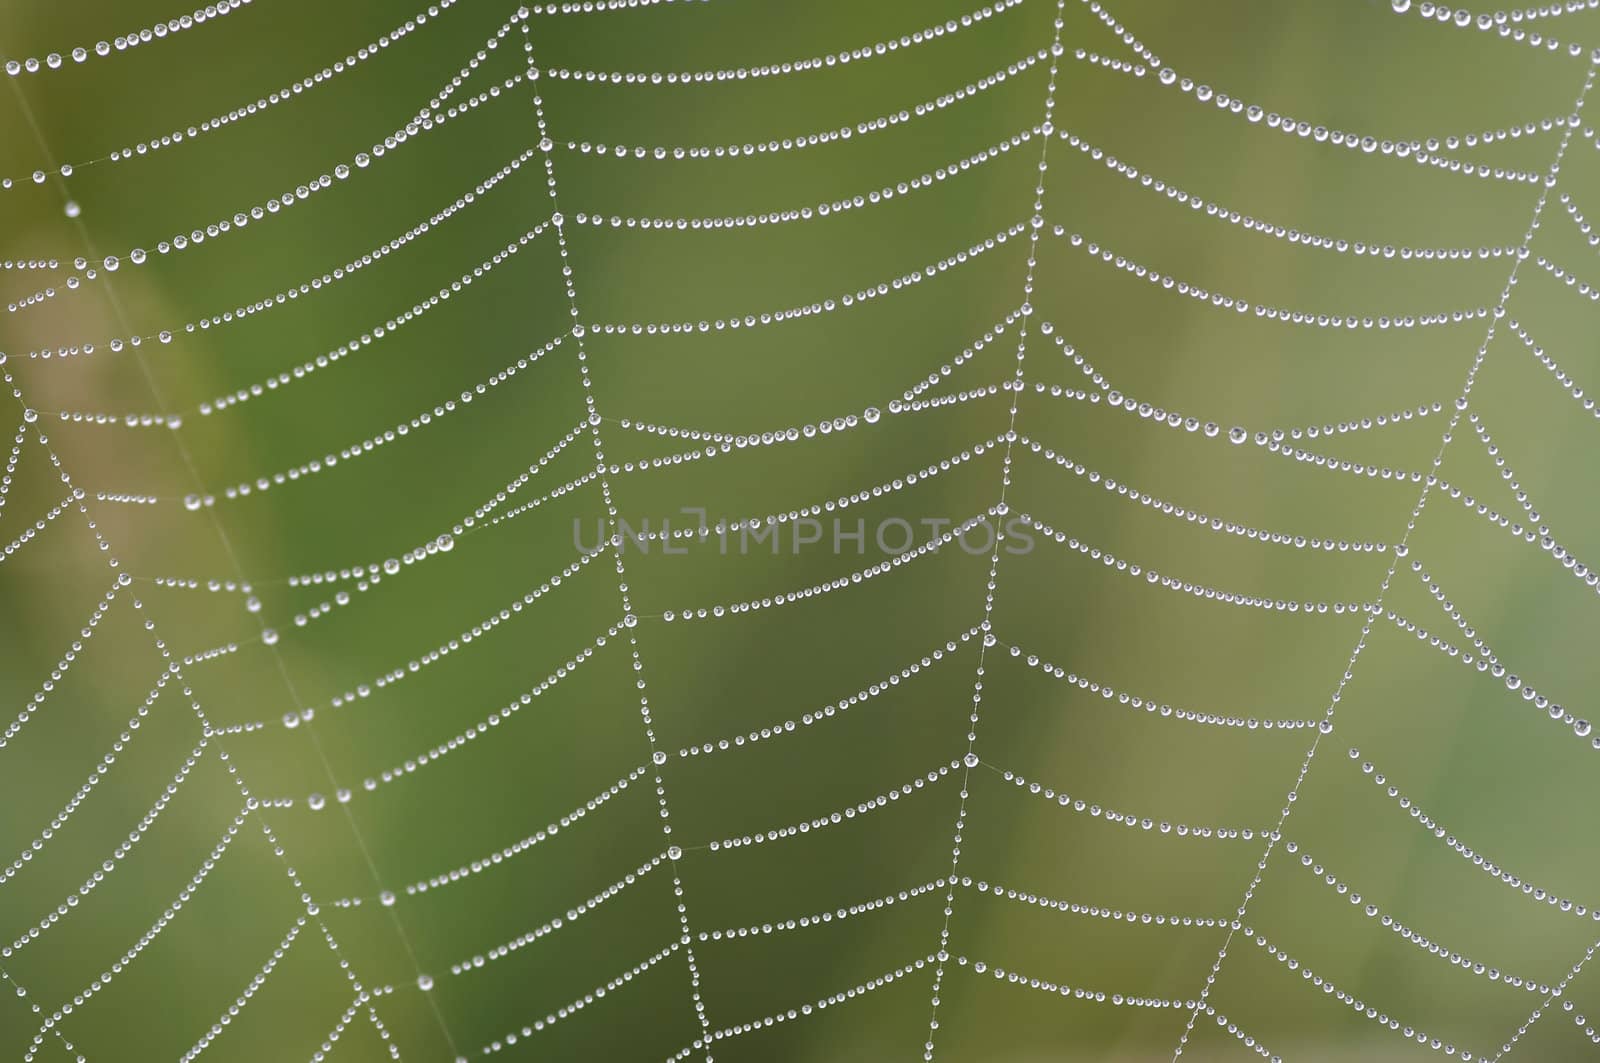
1488	766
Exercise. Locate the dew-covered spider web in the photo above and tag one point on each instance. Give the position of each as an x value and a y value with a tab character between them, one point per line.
724	529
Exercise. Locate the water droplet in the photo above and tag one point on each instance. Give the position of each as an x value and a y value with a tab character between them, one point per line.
71	209
316	802
871	414
1237	435
270	637
111	263
386	898
191	502
424	982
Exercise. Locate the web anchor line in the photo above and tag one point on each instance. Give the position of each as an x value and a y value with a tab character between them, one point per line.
970	760
1400	551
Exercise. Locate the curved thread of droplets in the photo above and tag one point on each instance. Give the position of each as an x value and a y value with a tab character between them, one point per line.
673	948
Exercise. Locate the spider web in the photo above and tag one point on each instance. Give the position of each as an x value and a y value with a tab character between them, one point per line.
680	530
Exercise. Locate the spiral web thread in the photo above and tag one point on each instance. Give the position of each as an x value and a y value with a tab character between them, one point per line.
1544	167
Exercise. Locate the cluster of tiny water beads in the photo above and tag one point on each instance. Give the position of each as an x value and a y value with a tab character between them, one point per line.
1149	705
37	526
820	1004
120	852
629	620
926	548
1501	23
1486	664
1001	508
11	463
363	578
824	918
144	35
250	990
306	287
374	335
1216	524
57	673
1354	1003
1530	14
804	141
382	682
107	762
833	208
835	818
844	57
463	872
255	107
579	1003
248	109
1122	819
1539	536
1343	889
165	336
1357	248
905	481
1273	313
824	306
1589	235
1487	23
1571	280
1076	992
587	7
429	118
1477	859
573	914
1172	583
209	735
1486	654
316	802
376	442
386	898
1586	401
844	704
